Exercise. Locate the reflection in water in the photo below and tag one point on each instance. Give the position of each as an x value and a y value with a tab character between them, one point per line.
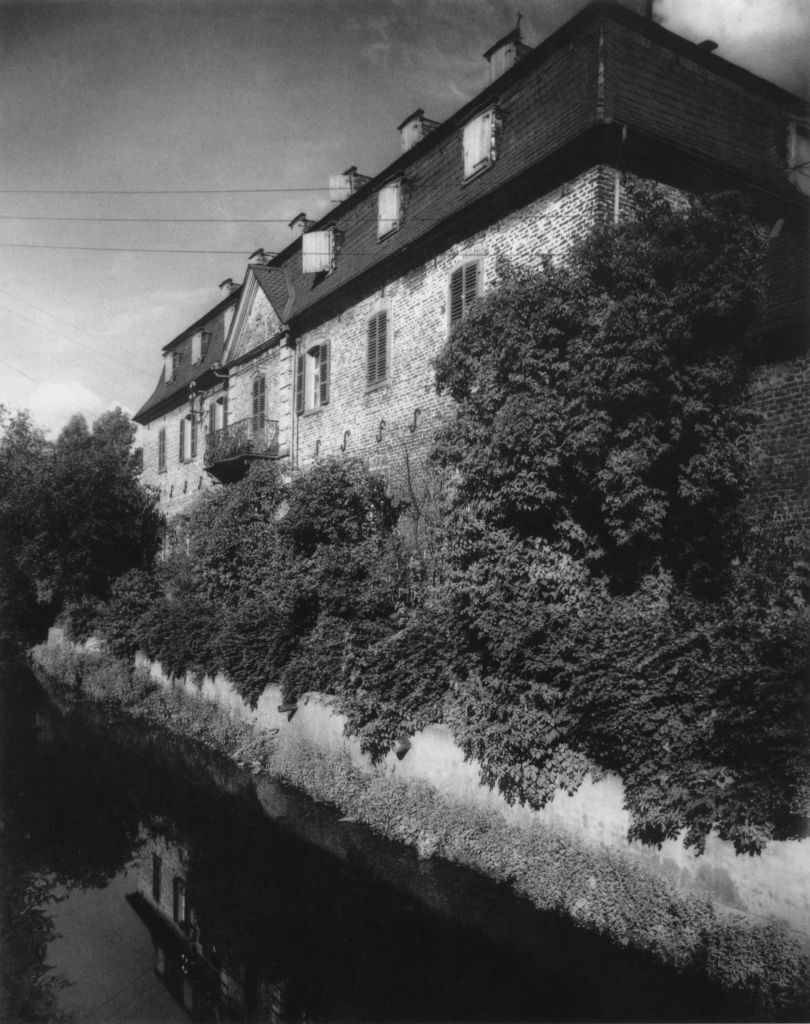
260	905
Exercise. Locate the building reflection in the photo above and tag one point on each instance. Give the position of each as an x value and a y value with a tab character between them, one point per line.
197	968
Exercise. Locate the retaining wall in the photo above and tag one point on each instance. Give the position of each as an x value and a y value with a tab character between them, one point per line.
775	884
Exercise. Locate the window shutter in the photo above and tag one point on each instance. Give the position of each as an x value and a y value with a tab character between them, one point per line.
196	348
259	396
477	143
162	449
324	374
457	295
377	354
484	138
388	207
212	417
299	382
224	411
470	284
193	436
316	247
182	439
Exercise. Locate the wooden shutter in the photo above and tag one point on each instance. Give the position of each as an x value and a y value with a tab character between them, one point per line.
323	356
162	449
182	439
212	417
470	284
457	295
316	247
224	411
299	382
388	206
193	436
259	395
377	352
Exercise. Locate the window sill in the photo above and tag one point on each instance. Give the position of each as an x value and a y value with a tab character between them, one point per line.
378	386
478	172
391	231
311	412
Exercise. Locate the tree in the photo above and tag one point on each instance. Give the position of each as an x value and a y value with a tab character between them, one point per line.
74	511
598	556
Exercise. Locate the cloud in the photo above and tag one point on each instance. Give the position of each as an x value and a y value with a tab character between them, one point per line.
769	37
53	403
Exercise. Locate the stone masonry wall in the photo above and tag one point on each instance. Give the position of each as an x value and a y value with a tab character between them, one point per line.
380	423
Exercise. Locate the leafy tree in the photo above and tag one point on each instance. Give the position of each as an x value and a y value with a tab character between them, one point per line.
74	517
598	563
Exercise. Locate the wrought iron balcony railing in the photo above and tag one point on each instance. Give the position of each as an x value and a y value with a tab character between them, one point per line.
255	436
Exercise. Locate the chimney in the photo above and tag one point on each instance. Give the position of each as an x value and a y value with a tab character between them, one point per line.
341	186
414	128
229	285
300	224
259	256
506	52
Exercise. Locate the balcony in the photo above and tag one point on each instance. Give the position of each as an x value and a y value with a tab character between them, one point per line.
228	452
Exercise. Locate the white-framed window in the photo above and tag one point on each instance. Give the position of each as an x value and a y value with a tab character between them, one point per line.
389	208
479	142
218	414
464	289
318	251
188	438
162	450
171	364
312	378
377	343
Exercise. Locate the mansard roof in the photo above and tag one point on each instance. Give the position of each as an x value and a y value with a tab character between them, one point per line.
608	87
167	396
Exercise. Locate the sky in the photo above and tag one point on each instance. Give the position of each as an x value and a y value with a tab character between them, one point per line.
249	105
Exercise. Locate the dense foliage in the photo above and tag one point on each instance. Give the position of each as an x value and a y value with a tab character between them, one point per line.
73	516
592	598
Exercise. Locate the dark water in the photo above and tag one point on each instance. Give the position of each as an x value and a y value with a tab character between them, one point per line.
162	883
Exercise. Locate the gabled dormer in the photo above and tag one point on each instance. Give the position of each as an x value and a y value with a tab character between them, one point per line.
259	316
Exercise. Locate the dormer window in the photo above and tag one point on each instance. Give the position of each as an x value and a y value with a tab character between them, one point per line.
171	364
389	208
798	161
196	348
480	142
318	248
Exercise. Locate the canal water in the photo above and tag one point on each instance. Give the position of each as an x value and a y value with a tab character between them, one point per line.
146	880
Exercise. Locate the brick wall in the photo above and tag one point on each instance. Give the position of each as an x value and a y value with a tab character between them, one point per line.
377	423
781	396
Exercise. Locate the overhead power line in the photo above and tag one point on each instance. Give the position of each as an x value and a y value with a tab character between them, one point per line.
153	191
105	248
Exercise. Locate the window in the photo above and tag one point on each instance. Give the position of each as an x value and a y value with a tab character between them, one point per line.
312	378
464	289
171	364
196	348
218	414
259	401
156	883
162	450
318	248
188	438
479	143
389	208
179	907
205	341
377	349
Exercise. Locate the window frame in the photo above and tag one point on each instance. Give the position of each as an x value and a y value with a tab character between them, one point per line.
311	360
472	160
375	379
162	450
463	268
388	225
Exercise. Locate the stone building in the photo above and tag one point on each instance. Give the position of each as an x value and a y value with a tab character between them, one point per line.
189	404
334	337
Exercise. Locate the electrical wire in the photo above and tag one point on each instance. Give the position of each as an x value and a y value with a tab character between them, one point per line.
152	191
75	341
105	248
